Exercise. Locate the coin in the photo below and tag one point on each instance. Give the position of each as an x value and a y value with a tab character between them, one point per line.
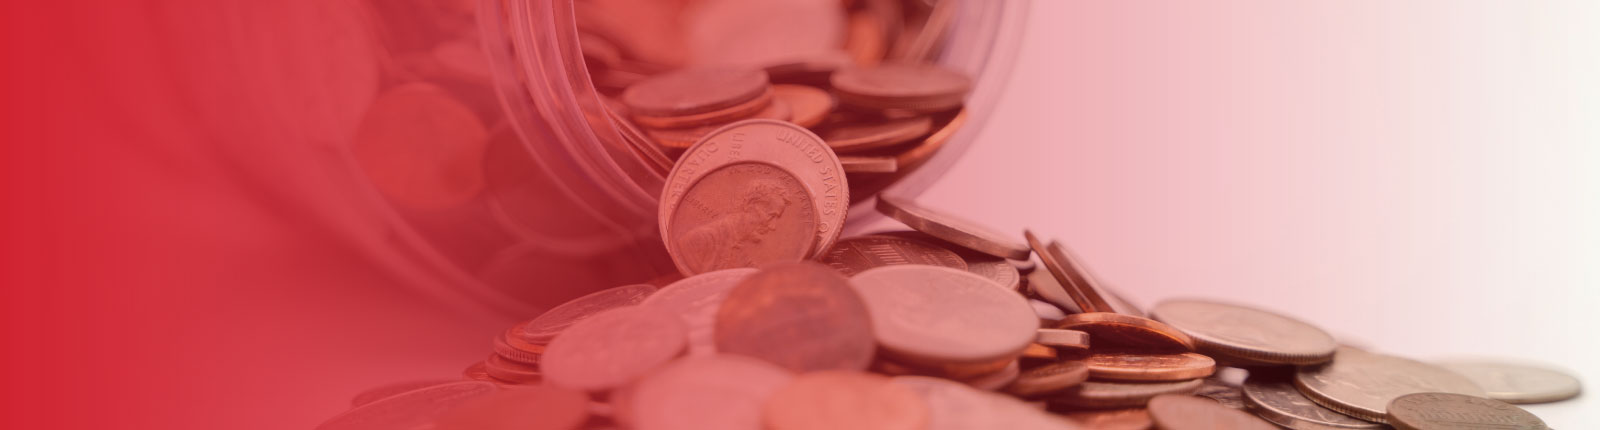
916	87
1046	287
524	352
1114	419
1111	329
510	371
809	105
421	147
854	255
381	392
1024	266
801	316
743	214
1277	400
1049	379
1181	412
613	348
1046	311
720	116
924	314
954	406
1068	276
843	400
1133	366
1248	334
988	266
1449	411
868	163
1113	395
706	392
410	409
1036	351
550	323
867	134
683	138
781	144
1361	384
1227	394
1058	338
533	407
953	229
996	380
695	90
696	299
1517	383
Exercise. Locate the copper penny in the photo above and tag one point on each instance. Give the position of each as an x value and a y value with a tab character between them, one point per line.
917	87
1449	411
1361	384
695	90
1277	400
1058	338
1071	277
857	136
788	146
842	400
719	116
800	316
1249	334
410	409
613	348
1049	379
854	255
547	325
988	266
534	407
1128	331
808	105
1518	383
677	396
868	163
995	380
385	391
1112	395
939	314
510	371
696	299
1114	419
1180	412
422	148
682	138
1132	366
1036	351
744	214
954	229
524	352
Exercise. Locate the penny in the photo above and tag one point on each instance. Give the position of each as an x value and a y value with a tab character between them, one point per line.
743	214
917	87
801	316
868	163
510	371
854	255
1111	329
863	135
677	396
988	266
385	391
1249	334
1361	384
954	406
953	229
695	90
410	409
788	146
1215	388
1132	366
1517	383
1277	400
1449	411
1058	338
808	105
939	314
1068	276
534	407
613	348
1036	351
1113	395
1114	419
421	147
1049	379
719	116
842	400
996	380
1047	288
696	299
1046	311
1181	412
683	138
550	323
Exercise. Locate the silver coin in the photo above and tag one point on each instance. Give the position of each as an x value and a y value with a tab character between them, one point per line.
1278	401
696	299
1215	388
1446	411
1361	384
1518	383
1252	335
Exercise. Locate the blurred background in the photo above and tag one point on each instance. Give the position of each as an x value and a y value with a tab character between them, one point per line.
1418	178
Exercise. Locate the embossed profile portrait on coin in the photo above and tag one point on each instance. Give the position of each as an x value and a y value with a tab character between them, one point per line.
742	215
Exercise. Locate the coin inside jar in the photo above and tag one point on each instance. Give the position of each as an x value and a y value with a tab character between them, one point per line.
744	214
1182	412
1449	411
1361	384
696	299
854	255
917	87
1249	334
938	314
708	392
863	135
841	400
695	90
801	316
953	229
1128	331
868	163
808	105
1134	366
613	348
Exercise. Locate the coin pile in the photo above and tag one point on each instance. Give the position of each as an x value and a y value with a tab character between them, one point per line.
777	323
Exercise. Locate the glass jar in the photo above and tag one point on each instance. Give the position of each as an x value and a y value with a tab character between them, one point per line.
545	199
